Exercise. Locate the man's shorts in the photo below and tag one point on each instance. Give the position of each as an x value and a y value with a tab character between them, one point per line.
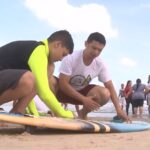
63	98
9	78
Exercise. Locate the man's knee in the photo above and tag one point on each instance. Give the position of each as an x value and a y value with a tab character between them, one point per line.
103	95
106	94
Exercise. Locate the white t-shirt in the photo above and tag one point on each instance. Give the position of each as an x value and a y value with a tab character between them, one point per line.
81	75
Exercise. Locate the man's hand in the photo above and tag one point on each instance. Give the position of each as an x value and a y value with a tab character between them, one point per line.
124	116
90	104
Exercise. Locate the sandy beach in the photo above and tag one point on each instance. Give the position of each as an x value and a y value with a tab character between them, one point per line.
16	139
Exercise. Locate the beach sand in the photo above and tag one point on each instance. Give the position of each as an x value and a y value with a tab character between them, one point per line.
17	139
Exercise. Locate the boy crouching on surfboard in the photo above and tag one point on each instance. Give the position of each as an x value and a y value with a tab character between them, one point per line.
24	71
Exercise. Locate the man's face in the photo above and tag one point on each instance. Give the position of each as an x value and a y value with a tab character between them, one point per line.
94	48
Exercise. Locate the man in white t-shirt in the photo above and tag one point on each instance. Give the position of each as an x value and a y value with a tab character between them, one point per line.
77	71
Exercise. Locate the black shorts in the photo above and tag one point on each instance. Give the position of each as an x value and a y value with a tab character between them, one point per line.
138	102
9	78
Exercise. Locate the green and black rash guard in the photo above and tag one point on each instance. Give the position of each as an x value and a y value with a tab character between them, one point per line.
33	56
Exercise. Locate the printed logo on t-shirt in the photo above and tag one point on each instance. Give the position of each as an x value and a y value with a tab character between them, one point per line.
79	80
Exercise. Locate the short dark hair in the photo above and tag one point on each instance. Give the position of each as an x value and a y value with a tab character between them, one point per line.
96	36
65	37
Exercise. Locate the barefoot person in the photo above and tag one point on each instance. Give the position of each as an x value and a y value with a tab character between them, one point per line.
128	96
24	72
77	71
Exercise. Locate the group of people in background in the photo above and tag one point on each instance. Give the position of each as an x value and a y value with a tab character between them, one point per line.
135	95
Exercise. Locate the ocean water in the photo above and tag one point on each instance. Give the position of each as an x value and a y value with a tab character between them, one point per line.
107	110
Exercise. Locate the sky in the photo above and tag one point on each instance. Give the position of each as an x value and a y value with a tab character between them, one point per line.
125	24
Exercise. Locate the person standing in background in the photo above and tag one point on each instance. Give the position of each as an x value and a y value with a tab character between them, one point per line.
128	96
138	96
121	96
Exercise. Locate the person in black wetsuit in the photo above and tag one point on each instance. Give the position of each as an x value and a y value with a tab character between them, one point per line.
24	71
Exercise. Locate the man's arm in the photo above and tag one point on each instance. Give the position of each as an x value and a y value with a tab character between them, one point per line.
113	95
115	100
71	92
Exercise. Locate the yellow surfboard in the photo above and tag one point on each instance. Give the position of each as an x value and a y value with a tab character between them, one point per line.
53	123
74	124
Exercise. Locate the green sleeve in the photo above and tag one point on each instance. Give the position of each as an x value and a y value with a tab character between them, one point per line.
38	63
32	108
